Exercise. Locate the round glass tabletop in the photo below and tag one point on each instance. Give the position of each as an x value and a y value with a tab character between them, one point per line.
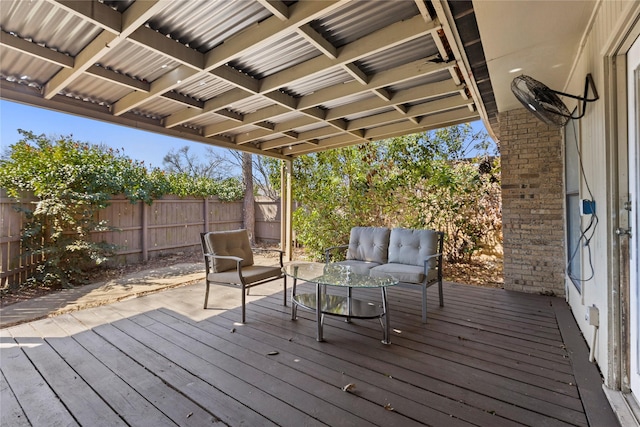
335	275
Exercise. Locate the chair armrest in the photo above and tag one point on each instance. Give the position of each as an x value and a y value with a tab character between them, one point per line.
233	258
327	252
238	261
281	252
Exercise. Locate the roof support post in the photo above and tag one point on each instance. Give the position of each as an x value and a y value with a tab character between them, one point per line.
286	209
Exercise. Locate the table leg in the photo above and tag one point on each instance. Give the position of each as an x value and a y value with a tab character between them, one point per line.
386	330
294	305
319	312
349	304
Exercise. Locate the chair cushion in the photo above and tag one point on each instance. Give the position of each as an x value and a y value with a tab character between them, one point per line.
229	243
368	244
409	246
359	267
404	272
252	274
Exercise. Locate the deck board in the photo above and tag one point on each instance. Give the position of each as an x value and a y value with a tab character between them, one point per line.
489	357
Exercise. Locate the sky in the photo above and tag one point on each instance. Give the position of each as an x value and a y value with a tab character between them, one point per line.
136	144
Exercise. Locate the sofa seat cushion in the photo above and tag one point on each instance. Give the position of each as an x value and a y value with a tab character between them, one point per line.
359	267
408	246
404	273
252	274
369	244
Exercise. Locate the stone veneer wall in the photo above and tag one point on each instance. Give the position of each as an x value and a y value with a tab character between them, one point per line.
532	204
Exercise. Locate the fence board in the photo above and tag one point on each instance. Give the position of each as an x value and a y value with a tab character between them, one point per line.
171	224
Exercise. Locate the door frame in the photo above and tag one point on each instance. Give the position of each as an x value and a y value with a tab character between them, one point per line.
616	120
633	109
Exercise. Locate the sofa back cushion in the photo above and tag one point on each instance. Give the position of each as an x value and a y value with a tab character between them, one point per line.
229	243
409	246
369	244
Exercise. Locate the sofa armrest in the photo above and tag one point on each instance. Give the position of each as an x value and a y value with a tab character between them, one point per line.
439	266
328	251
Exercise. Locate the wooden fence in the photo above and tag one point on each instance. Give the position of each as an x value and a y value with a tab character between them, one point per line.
171	224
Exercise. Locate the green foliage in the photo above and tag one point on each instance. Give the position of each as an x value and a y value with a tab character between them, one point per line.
421	181
184	185
72	181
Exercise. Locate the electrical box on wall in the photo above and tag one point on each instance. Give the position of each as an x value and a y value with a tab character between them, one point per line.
587	207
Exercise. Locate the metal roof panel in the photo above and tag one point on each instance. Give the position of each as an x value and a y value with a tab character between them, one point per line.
359	18
47	25
136	61
203	25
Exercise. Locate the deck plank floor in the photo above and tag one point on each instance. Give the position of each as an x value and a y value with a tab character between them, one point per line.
489	357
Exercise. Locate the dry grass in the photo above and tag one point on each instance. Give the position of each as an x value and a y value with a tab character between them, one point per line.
484	270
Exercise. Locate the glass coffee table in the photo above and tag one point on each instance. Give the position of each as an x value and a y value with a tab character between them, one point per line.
341	276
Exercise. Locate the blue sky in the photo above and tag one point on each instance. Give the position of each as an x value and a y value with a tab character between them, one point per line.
137	144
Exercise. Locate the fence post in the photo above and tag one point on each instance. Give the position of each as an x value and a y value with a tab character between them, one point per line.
206	214
145	232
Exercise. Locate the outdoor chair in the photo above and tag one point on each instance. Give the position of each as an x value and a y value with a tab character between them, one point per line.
228	258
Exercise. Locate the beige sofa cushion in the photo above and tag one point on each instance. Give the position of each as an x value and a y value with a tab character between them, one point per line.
409	246
368	244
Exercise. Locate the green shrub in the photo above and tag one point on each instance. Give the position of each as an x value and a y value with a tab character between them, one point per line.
72	180
442	180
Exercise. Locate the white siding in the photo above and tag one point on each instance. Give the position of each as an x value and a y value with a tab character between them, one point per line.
595	153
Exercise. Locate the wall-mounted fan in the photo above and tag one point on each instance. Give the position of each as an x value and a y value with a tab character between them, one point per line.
545	103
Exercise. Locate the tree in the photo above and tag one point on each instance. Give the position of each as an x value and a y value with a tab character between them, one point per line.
445	179
262	170
183	161
249	205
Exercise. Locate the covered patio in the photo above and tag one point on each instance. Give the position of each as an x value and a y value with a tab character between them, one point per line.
289	78
489	357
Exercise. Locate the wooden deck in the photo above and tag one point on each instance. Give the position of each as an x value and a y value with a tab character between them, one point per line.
488	358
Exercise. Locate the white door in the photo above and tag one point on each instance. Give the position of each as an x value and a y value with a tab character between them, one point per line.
633	91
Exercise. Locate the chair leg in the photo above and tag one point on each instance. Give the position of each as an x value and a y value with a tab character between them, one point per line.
244	299
206	294
440	293
424	304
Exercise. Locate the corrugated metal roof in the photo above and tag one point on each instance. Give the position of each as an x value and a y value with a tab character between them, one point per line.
319	81
348	100
422	47
287	64
136	61
359	18
308	128
205	24
15	65
369	113
97	89
159	108
206	120
205	88
250	105
280	55
422	80
47	25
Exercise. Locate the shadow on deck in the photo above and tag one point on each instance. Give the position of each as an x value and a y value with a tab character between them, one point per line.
489	357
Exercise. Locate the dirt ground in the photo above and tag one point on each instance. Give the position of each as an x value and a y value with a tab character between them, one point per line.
483	271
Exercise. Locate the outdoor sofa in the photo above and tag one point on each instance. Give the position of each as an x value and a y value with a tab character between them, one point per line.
412	256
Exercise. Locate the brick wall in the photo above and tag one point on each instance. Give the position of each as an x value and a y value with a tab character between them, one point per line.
532	204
